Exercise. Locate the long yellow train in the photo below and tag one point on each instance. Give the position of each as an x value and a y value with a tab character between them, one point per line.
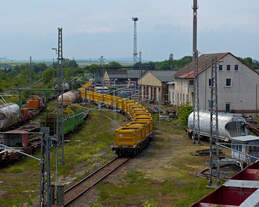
134	136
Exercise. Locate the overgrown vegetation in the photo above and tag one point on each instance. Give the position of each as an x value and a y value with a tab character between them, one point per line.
88	149
183	113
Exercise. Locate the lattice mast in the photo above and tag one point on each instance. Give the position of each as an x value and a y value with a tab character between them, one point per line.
214	128
135	49
61	89
196	101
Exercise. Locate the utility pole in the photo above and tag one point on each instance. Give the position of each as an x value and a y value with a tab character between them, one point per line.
171	59
135	49
114	103
214	128
140	78
102	70
30	72
196	101
46	193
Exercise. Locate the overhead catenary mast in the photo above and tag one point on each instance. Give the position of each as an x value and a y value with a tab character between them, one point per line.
196	101
135	49
61	90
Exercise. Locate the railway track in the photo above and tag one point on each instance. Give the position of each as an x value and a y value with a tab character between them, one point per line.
87	183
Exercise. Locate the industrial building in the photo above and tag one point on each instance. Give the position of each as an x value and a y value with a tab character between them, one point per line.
122	76
154	85
237	84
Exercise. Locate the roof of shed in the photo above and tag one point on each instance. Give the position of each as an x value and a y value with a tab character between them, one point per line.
125	74
163	75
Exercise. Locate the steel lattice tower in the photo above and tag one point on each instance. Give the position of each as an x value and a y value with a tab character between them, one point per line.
60	130
214	128
135	49
196	101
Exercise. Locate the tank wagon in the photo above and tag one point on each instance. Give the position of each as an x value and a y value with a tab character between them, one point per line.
9	115
10	112
70	97
133	137
230	125
65	86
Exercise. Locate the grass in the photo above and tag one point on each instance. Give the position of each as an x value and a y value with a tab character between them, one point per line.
87	149
164	176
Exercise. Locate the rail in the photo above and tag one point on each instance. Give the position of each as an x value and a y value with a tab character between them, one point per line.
83	186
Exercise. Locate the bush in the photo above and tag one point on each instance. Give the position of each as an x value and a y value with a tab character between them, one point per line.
183	114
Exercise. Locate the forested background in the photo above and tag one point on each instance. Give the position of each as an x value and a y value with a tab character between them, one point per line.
44	76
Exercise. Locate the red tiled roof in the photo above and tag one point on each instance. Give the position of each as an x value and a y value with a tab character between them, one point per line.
204	63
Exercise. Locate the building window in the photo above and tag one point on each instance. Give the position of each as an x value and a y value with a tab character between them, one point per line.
228	82
228	67
220	67
227	107
210	82
187	98
191	82
236	67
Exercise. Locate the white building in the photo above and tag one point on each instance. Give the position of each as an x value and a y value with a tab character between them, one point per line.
237	84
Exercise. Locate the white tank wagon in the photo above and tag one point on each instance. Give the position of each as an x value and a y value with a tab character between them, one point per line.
70	97
65	86
230	125
9	115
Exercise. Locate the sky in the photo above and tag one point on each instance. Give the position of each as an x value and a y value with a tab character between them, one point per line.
94	28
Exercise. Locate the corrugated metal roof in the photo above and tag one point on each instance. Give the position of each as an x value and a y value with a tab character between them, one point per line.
164	75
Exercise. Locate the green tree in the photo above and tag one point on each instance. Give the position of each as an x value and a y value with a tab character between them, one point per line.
113	65
47	75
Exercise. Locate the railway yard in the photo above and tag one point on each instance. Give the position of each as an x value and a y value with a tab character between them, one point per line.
148	133
166	173
156	168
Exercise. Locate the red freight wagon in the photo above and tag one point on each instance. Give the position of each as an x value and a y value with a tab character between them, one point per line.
241	190
16	138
